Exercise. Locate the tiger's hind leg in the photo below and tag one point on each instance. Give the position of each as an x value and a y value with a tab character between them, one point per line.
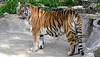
71	40
41	42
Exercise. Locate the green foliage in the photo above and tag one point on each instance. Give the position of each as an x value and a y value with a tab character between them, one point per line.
50	3
97	6
99	1
34	2
69	2
11	5
1	0
55	3
46	9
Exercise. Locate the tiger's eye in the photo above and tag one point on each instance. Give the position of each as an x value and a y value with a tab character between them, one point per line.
22	10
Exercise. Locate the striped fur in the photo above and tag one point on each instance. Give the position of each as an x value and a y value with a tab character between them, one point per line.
54	24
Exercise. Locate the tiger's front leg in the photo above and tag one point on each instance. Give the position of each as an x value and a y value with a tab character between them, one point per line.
38	42
71	40
35	42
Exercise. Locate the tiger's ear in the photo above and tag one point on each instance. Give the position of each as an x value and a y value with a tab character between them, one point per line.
19	3
27	5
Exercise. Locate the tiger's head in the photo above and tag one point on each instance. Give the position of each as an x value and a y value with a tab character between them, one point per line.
23	11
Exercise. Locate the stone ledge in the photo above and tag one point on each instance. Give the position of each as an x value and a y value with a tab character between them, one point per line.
89	16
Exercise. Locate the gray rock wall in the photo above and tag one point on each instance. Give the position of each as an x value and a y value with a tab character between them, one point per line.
93	42
87	25
93	0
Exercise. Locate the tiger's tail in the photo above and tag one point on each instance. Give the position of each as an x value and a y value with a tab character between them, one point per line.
78	36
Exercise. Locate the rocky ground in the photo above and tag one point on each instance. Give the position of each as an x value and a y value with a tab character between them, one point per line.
16	40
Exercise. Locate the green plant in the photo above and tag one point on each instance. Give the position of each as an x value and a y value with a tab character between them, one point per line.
9	6
97	6
99	1
50	3
69	2
46	9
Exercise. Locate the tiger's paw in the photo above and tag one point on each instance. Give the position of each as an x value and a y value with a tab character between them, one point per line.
70	53
33	50
41	45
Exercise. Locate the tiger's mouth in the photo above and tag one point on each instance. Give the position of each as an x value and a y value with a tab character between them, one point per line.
22	18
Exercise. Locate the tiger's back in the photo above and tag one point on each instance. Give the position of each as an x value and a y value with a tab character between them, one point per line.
61	20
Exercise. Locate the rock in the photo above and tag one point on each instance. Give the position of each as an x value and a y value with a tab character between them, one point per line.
63	7
93	43
89	55
78	7
84	0
98	22
55	9
94	1
85	4
41	5
96	13
89	7
92	5
6	13
86	28
94	39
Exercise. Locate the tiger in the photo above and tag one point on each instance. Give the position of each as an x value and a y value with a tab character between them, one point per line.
54	23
